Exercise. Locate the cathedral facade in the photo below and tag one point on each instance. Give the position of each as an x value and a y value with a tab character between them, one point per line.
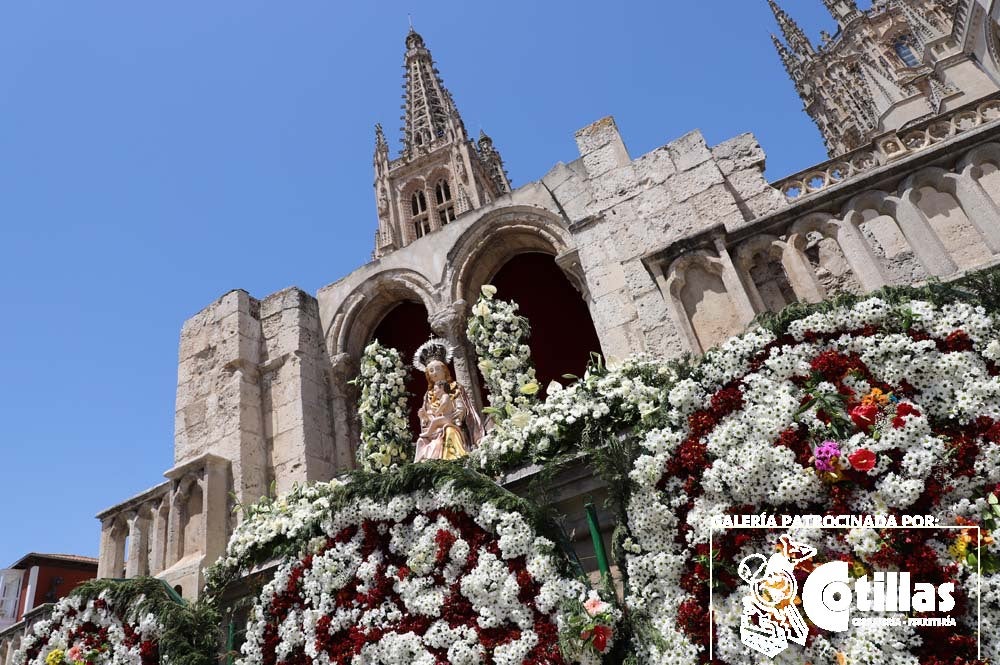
664	253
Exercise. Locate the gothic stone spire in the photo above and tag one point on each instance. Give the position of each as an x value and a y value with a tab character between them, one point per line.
796	38
441	173
430	112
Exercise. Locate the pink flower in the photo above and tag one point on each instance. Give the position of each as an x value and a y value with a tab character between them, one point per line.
595	606
75	654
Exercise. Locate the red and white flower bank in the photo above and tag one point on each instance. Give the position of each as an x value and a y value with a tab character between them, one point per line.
430	576
83	631
875	409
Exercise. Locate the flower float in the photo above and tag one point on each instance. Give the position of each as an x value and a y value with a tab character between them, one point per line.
431	564
82	631
874	409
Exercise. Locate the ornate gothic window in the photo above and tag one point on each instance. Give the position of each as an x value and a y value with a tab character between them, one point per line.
420	218
905	52
444	203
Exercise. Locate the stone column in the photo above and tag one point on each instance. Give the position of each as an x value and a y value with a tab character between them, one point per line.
800	273
858	253
734	284
979	206
450	324
175	526
920	235
345	428
158	535
111	560
670	287
137	564
215	507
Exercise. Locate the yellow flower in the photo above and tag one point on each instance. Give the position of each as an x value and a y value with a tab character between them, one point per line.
55	657
530	388
488	290
959	549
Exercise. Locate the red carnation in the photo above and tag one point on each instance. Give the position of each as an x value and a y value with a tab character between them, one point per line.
864	416
862	460
903	409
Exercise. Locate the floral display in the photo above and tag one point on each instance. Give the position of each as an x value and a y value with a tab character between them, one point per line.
874	409
500	337
386	440
608	400
81	632
430	564
269	525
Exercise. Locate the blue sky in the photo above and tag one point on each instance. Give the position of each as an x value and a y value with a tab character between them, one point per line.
155	155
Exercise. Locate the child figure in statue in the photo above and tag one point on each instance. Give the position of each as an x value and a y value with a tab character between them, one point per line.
447	417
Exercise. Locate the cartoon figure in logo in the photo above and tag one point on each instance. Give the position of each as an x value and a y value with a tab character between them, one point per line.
770	618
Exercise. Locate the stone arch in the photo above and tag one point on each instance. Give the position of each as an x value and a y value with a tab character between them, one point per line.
939	195
841	261
187	512
370	302
982	163
528	254
416	185
501	235
699	301
873	214
776	274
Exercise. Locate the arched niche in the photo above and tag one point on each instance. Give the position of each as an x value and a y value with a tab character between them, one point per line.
963	242
818	238
527	253
404	328
562	333
700	302
500	236
873	214
983	164
760	261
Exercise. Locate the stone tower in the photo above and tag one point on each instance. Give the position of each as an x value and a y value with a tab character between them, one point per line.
440	173
885	68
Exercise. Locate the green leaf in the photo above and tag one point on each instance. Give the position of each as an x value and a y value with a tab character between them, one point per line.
805	407
992	499
972	560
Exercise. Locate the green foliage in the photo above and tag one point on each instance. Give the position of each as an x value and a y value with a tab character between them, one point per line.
190	631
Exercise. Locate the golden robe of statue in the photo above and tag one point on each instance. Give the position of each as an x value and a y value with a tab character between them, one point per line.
446	407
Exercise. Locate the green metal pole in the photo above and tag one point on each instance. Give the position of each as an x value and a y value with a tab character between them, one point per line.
595	535
230	641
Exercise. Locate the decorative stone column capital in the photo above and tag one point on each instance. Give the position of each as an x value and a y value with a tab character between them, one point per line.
341	367
450	322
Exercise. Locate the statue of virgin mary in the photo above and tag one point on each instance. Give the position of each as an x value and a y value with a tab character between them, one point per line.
449	424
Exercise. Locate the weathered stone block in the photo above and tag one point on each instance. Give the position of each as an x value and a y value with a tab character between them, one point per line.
718	205
598	134
694	181
748	182
655	167
689	151
604	159
739	153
